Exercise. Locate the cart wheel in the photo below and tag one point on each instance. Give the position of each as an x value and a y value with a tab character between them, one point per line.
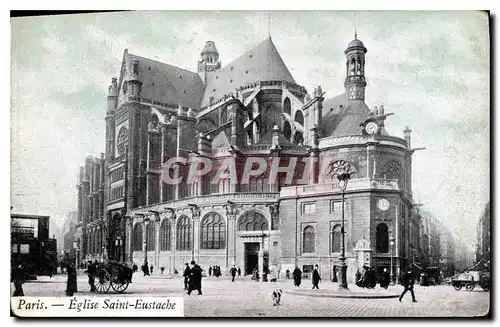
486	287
102	281
458	287
470	286
118	286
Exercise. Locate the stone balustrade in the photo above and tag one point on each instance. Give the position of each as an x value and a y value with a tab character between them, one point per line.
353	185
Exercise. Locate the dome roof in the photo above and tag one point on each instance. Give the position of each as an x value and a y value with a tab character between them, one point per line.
209	47
355	43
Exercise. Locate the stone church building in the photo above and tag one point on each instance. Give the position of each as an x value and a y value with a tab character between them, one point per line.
251	107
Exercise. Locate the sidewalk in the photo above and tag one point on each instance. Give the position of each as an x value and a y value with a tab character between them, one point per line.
332	290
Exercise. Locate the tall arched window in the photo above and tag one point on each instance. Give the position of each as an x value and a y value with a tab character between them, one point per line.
184	233
287	107
151	245
165	237
299	117
213	232
137	238
382	238
253	221
308	240
336	237
298	138
287	131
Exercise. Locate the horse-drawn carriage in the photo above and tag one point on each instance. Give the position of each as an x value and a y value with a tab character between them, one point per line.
112	274
470	279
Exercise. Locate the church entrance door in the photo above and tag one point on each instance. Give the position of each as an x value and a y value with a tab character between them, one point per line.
251	257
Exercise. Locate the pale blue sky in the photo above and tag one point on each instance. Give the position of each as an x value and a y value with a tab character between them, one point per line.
429	68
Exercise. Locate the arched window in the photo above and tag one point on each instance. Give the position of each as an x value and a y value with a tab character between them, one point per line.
382	238
298	138
287	130
184	233
213	232
287	107
151	245
165	230
308	240
336	237
253	221
137	238
299	117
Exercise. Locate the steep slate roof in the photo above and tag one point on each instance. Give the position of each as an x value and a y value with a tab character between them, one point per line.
262	63
172	84
342	117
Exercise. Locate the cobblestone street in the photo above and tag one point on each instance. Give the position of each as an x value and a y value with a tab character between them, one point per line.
248	298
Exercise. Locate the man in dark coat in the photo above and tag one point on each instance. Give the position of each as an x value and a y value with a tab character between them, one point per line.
297	276
287	273
384	279
358	278
408	282
71	286
210	271
151	268
91	272
239	272
315	277
18	277
195	278
134	268
233	271
187	273
145	268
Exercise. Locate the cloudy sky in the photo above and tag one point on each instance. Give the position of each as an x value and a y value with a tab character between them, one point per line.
431	69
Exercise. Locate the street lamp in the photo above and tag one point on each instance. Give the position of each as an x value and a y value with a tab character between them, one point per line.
343	180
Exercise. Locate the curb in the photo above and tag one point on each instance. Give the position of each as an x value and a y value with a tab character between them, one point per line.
345	295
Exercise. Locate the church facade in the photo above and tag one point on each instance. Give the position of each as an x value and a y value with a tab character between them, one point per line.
251	110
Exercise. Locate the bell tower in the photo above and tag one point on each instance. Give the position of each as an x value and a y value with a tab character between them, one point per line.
355	82
209	61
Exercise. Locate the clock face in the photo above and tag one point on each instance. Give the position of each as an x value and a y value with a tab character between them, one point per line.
371	128
383	204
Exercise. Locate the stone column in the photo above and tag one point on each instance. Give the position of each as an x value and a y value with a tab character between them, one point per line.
128	233
195	212
171	216
231	213
261	262
157	247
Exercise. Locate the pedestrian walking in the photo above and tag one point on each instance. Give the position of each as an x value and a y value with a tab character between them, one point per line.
187	274
233	272
91	272
195	278
239	272
145	268
315	277
384	279
151	269
287	272
210	271
18	277
334	275
408	282
297	277
71	285
135	268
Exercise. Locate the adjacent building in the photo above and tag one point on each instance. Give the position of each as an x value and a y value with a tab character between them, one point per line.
484	237
250	108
